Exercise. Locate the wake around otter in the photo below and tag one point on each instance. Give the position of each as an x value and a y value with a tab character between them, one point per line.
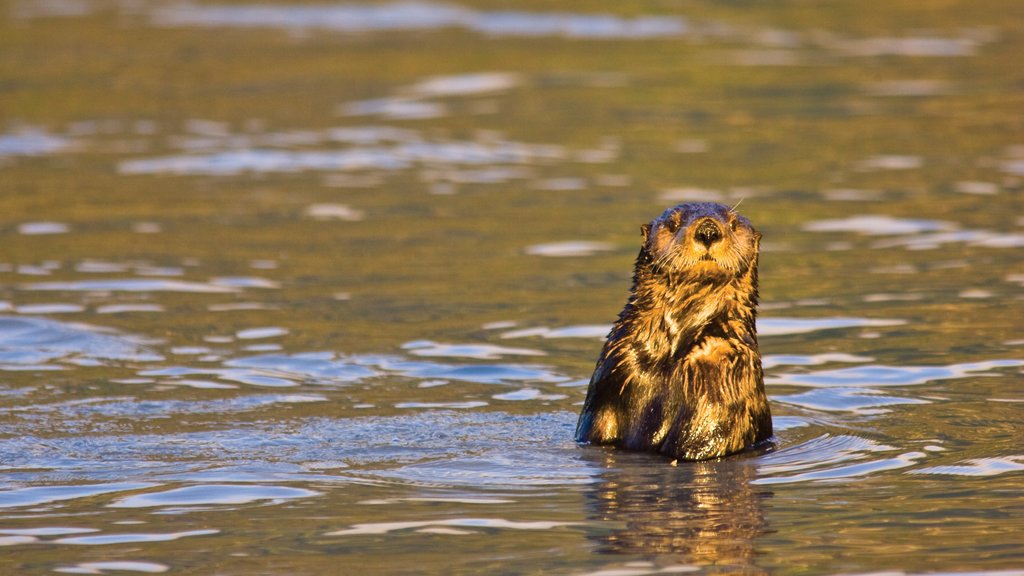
680	373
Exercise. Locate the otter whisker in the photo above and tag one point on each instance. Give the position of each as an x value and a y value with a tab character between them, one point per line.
664	258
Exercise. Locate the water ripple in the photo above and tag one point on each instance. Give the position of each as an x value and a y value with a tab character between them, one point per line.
769	361
982	238
916	234
433	447
570	248
788	326
978	467
130	285
35	342
475	351
114	566
376	528
777	326
36	495
31	143
830	458
877	375
859	400
480	373
926	46
878	225
318	367
43	228
212	494
398	157
137	409
132	538
421	15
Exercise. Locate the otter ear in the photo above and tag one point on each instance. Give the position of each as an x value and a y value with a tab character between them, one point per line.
645	231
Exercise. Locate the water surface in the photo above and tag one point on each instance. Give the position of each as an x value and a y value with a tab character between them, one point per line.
317	288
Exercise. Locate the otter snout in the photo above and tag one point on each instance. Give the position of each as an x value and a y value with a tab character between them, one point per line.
708	232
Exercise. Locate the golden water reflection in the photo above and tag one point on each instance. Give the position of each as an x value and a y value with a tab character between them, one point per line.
703	513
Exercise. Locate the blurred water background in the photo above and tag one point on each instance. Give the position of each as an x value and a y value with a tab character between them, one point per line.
316	288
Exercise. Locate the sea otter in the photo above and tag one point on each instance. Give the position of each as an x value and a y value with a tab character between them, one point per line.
680	373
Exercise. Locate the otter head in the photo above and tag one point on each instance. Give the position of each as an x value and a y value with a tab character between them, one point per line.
700	241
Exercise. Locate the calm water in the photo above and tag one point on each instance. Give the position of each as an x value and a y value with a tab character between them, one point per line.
317	288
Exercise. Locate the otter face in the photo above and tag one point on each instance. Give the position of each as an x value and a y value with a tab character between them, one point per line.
701	238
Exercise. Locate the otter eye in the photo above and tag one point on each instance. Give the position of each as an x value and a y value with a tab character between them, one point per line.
672	225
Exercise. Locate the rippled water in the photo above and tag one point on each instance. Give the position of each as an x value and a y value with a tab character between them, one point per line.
317	288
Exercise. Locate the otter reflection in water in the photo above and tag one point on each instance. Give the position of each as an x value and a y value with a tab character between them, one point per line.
680	373
706	513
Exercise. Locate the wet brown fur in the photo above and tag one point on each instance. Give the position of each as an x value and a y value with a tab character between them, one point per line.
680	373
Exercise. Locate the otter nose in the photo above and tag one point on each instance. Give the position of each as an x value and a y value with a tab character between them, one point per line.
708	233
